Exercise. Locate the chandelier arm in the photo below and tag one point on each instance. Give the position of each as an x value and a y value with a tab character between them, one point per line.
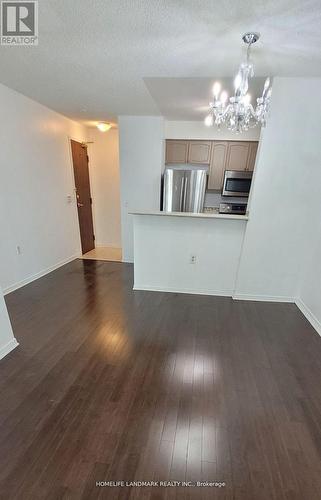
252	111
226	110
248	53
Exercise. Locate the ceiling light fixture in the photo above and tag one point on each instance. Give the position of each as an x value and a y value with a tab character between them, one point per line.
103	126
238	114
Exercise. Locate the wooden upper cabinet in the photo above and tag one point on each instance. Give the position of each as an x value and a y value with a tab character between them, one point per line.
176	151
199	152
219	155
188	151
217	166
237	156
252	156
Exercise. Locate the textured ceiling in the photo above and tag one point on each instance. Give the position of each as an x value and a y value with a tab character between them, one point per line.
94	57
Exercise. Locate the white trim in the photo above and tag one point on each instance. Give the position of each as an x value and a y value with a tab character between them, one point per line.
221	293
263	298
8	347
313	320
35	276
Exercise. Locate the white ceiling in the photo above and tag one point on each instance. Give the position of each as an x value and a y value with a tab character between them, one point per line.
94	58
188	98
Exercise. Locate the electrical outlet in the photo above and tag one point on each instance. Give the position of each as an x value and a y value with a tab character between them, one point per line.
193	259
18	248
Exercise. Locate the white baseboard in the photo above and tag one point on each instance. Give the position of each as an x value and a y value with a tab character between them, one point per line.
313	320
221	293
8	347
34	277
263	298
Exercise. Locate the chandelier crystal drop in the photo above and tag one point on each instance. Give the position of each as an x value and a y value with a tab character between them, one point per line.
237	113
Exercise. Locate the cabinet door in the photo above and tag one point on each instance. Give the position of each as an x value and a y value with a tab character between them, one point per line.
176	151
252	156
237	155
217	167
199	152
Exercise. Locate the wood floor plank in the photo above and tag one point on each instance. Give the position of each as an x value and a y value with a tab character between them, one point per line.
109	384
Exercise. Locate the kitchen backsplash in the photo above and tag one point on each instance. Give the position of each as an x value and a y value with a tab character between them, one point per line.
214	199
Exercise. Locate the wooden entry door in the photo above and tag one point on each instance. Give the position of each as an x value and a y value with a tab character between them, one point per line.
84	201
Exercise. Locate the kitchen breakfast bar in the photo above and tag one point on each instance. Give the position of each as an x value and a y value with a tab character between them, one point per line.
187	252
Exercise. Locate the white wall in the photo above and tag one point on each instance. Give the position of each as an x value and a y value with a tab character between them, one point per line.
197	130
105	187
7	340
309	285
36	178
164	246
141	151
281	204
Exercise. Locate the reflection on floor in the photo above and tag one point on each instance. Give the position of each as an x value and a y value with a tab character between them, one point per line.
104	253
113	384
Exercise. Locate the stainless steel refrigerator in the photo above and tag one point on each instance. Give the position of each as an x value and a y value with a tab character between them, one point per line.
184	188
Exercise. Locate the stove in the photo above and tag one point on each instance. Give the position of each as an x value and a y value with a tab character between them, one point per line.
233	208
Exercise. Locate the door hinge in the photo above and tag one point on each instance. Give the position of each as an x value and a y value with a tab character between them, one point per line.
94	237
91	200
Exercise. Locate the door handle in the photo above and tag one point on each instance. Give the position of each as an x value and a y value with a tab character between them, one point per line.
79	205
181	208
185	194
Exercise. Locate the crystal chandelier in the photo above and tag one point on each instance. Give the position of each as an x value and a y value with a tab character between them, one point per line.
238	114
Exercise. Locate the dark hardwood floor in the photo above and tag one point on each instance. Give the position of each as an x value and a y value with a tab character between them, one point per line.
110	384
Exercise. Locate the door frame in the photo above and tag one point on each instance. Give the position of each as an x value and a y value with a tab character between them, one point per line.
73	184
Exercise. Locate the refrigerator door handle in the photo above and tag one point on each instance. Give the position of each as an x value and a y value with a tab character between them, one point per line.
185	194
182	194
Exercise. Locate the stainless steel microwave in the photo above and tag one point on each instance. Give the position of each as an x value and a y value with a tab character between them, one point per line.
237	183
